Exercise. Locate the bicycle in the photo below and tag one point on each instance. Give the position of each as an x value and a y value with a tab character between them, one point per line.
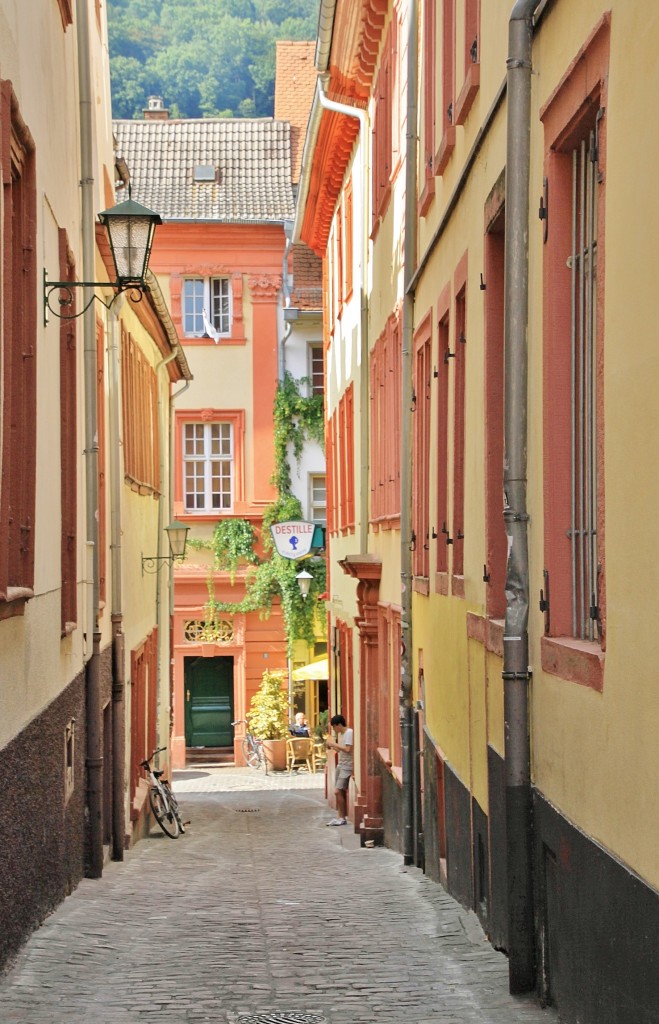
163	802
252	748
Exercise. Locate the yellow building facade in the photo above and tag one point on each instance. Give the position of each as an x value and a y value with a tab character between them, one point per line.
489	570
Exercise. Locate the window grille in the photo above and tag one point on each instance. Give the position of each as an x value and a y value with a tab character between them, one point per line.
583	267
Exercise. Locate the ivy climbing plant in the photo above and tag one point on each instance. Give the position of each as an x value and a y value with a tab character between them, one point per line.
297	418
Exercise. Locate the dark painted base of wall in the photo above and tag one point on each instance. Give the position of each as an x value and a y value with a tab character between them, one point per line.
598	928
597	924
43	834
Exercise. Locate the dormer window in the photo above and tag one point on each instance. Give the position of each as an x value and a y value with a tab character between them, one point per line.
204	173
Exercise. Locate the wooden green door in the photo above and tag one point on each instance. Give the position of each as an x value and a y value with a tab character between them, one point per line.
208	702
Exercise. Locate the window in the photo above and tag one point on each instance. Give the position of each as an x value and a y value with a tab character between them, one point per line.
144	705
495	533
382	133
18	353
443	537
447	117
318	498
206	306
348	232
342	466
429	87
317	369
141	441
459	362
69	448
208	466
421	448
471	61
575	167
385	425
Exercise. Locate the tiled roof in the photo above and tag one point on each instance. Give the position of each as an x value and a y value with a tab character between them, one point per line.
251	158
295	84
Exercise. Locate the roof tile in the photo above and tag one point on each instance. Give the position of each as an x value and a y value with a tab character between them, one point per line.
252	158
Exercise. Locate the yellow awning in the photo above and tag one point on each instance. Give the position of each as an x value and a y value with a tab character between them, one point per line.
316	670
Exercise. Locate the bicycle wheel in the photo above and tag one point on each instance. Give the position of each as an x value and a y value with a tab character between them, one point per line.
251	754
163	814
173	803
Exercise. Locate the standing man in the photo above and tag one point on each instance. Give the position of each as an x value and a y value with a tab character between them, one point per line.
343	744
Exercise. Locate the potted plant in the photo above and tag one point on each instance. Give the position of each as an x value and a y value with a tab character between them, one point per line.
268	717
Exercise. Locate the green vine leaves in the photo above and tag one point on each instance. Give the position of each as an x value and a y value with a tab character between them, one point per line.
297	418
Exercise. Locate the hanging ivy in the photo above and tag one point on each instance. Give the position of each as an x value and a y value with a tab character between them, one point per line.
297	418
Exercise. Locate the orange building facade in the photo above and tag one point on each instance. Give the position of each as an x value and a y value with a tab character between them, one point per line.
220	260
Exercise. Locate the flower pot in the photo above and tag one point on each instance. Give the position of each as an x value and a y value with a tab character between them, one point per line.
275	751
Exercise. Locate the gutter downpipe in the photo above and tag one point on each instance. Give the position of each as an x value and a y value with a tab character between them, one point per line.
94	758
516	673
360	218
118	638
162	426
406	710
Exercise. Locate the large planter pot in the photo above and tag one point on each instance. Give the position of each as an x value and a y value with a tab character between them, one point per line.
275	751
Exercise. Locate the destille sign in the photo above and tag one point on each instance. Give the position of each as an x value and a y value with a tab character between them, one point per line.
294	538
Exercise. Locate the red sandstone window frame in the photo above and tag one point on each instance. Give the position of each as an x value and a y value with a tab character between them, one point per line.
447	108
471	61
141	438
385	414
19	342
211	272
236	417
422	378
579	99
495	533
348	237
144	709
429	105
66	12
69	448
382	135
459	428
443	320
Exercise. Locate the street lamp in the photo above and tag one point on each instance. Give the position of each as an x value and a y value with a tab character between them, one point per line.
177	534
304	579
130	227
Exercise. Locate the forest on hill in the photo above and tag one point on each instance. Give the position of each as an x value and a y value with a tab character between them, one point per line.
206	58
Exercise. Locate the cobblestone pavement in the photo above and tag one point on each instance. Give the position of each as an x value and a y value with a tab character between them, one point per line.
260	913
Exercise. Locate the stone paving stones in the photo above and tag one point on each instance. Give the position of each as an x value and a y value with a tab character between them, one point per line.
259	909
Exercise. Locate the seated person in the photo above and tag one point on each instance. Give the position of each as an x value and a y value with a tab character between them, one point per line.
301	726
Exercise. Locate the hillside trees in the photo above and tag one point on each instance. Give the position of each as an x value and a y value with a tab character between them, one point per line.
206	58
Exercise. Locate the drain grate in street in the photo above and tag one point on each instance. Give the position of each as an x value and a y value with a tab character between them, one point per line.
282	1018
247	810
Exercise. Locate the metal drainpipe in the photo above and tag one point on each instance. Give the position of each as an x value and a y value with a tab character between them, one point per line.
516	674
364	395
161	517
93	670
118	658
406	710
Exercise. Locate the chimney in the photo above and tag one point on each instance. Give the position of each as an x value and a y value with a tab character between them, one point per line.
156	110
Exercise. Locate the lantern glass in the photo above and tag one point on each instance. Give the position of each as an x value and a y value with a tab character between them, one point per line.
130	228
178	536
304	579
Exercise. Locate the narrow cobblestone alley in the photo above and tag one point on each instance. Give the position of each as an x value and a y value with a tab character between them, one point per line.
260	910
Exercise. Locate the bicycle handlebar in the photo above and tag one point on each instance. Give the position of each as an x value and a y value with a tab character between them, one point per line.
148	761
